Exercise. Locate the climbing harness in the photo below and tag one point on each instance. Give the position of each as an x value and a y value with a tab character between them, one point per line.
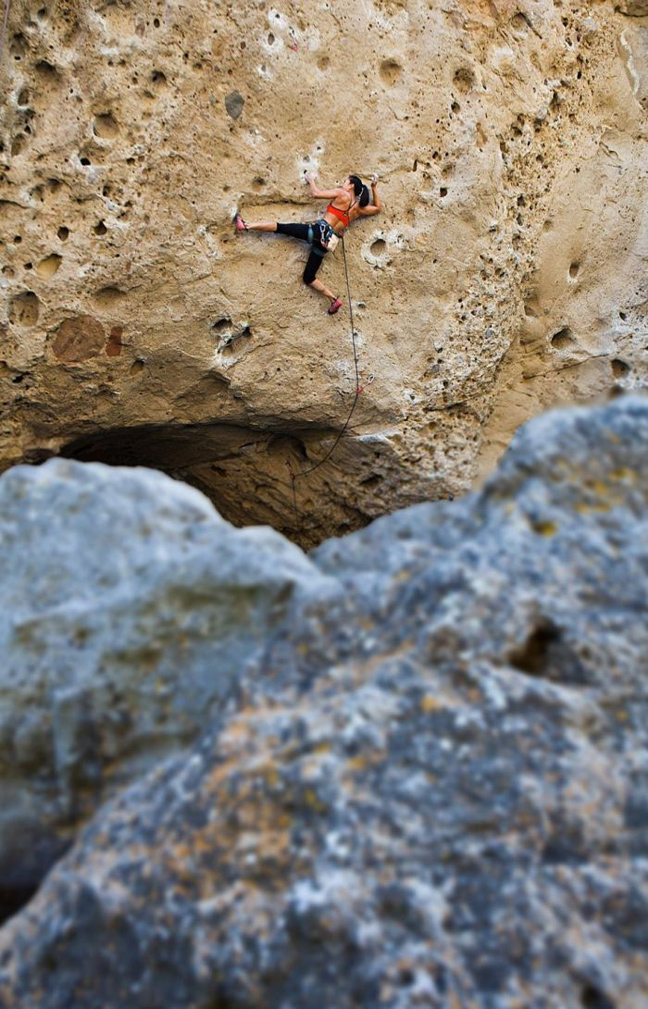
327	238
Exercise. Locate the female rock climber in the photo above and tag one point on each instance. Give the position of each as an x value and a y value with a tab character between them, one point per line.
348	202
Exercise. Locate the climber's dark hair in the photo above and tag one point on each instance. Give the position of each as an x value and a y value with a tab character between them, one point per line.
360	190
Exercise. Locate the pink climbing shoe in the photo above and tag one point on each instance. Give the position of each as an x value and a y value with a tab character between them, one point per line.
240	223
335	306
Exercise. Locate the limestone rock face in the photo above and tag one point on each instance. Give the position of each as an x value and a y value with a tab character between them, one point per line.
127	608
429	791
507	272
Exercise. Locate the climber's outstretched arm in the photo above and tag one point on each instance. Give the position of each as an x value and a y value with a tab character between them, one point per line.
322	194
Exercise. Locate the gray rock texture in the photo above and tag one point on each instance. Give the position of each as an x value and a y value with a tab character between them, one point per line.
127	606
428	788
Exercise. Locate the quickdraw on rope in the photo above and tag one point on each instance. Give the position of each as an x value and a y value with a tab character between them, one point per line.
358	390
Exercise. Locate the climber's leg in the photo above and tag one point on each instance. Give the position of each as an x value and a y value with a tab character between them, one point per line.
256	226
301	231
304	232
317	285
313	264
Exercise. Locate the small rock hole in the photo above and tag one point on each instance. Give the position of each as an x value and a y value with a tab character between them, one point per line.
562	339
108	297
574	270
48	266
519	23
619	368
221	325
390	72
18	46
378	247
533	657
594	998
106	127
24	309
14	898
63	233
464	79
100	229
46	70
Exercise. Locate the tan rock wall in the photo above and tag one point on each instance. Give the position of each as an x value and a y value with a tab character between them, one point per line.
506	273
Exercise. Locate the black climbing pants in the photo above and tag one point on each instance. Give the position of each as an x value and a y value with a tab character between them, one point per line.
304	232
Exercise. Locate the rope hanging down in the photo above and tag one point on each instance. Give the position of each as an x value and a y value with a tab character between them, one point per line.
3	32
358	389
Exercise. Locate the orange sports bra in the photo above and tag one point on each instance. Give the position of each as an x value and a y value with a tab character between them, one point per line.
343	215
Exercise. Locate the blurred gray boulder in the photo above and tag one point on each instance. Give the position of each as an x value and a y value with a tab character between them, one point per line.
128	608
428	790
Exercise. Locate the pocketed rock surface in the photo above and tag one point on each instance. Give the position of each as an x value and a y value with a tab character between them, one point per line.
507	272
429	790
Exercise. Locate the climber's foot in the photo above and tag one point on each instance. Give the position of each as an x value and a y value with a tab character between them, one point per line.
335	306
240	223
